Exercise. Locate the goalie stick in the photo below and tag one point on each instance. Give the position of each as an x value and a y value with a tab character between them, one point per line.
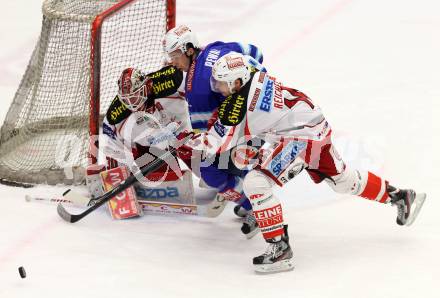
30	198
212	209
154	165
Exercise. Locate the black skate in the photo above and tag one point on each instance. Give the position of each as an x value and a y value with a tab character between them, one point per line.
240	211
278	256
250	226
408	204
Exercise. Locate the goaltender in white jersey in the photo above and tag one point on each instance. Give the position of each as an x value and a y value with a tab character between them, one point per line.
133	125
277	132
148	110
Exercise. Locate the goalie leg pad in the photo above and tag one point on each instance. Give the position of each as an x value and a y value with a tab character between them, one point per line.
93	180
172	188
124	205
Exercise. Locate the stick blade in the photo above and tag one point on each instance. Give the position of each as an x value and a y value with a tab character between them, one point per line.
62	212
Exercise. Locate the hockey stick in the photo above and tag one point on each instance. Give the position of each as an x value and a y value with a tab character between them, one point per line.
212	209
154	165
30	198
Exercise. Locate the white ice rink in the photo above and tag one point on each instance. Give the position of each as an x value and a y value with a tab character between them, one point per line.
374	68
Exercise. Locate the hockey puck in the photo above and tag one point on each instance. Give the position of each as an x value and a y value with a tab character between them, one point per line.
22	272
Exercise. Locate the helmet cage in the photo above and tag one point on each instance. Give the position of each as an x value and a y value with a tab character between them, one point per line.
136	99
132	88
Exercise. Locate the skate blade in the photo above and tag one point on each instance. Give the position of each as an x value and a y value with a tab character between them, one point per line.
281	266
418	202
253	233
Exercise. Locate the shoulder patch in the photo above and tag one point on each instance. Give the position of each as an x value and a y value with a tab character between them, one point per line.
117	112
232	110
166	81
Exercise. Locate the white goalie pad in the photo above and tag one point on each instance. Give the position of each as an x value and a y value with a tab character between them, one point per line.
93	181
170	189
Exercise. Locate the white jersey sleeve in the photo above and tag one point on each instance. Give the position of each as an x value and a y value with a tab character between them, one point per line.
123	129
267	110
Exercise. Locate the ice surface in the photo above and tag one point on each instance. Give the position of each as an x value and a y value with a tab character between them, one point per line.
374	68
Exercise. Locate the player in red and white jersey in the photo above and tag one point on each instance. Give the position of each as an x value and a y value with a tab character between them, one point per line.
276	132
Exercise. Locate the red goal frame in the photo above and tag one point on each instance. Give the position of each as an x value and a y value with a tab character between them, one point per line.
95	68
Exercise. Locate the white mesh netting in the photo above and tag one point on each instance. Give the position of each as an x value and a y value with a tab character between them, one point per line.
44	138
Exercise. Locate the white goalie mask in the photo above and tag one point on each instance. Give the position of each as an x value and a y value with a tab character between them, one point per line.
132	88
229	68
178	38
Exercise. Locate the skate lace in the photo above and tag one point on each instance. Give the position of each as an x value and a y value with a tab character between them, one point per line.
401	206
401	209
272	249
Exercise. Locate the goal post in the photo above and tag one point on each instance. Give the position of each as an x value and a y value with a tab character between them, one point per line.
51	131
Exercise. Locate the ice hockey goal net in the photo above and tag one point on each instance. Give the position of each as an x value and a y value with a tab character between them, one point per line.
49	133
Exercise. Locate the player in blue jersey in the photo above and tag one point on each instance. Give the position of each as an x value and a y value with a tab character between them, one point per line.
186	54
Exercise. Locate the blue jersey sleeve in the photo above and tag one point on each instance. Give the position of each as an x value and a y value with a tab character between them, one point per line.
247	49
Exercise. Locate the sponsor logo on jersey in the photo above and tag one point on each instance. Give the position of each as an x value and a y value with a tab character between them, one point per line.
117	111
278	96
168	71
107	130
256	199
232	110
212	57
269	217
157	193
190	76
160	138
324	132
283	159
259	202
162	86
166	208
254	99
233	116
265	101
219	128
